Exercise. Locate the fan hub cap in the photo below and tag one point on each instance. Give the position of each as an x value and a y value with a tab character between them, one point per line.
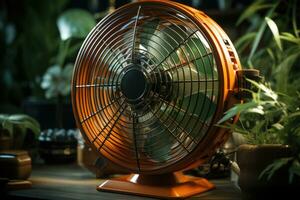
133	84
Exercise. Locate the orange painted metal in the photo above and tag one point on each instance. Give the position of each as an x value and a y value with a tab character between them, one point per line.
162	182
166	186
227	63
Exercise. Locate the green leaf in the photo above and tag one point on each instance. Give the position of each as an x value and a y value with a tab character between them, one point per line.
283	70
287	34
239	108
6	124
75	23
256	42
290	38
271	54
62	52
26	122
260	34
252	9
274	29
294	114
18	124
294	19
267	91
248	37
74	49
294	170
277	126
258	110
272	168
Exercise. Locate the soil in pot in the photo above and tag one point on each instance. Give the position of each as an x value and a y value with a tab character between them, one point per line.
252	160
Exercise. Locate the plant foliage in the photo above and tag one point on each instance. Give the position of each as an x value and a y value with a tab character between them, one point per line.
272	45
270	118
73	25
17	125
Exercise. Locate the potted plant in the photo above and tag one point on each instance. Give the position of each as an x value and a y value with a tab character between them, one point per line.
270	161
270	120
14	131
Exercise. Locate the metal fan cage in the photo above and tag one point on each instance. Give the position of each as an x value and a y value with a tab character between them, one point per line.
148	86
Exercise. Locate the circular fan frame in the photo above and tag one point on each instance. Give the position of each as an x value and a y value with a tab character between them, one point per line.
85	104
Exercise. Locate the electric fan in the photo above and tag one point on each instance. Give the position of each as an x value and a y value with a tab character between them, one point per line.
150	81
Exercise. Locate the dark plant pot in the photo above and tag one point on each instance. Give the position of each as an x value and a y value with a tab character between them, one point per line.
17	142
58	145
252	160
53	152
5	143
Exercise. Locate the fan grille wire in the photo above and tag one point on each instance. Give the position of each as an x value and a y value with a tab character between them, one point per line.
169	121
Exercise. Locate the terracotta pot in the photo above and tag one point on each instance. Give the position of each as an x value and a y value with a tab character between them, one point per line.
252	160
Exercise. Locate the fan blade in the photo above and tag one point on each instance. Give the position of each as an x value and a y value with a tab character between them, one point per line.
118	61
200	55
197	79
200	105
148	29
188	124
113	60
158	142
164	43
154	138
198	72
187	81
187	84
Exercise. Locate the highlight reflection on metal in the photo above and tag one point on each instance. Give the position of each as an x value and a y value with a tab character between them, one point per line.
150	81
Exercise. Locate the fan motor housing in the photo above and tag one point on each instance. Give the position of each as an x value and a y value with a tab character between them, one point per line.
140	75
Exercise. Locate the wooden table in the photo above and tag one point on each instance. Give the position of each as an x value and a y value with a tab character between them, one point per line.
74	182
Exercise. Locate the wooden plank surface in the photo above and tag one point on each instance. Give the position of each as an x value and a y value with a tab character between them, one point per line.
76	183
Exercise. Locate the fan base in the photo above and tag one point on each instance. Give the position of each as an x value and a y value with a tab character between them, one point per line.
163	186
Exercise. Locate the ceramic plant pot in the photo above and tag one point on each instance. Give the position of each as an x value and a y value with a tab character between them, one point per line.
252	160
5	142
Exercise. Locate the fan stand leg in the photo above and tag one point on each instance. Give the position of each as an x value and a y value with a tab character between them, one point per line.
163	186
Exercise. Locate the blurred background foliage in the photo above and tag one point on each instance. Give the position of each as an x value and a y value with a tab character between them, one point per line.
30	43
33	48
271	42
37	56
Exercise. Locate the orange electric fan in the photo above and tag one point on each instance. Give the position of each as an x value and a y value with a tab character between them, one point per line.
150	81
